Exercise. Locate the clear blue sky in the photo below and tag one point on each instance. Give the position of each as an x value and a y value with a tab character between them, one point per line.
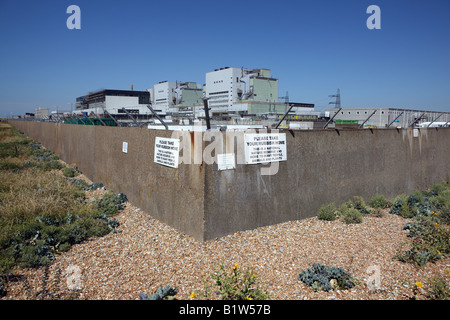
312	47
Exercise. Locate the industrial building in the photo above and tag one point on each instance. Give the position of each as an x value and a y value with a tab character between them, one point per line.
240	91
170	96
165	97
230	92
113	101
41	113
385	117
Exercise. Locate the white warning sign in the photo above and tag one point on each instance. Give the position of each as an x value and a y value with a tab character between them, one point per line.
265	148
166	151
226	161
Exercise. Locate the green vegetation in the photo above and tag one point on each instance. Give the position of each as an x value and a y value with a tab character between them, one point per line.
326	278
350	212
327	212
41	212
234	284
358	204
352	215
439	289
430	213
429	230
166	293
379	201
69	172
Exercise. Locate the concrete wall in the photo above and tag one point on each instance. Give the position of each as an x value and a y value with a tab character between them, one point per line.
322	166
173	196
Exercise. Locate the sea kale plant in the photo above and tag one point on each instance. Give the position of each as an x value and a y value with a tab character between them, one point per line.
326	278
428	229
166	293
41	212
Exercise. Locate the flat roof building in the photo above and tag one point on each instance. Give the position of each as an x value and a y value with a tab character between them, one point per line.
169	96
246	92
384	117
230	92
41	113
113	101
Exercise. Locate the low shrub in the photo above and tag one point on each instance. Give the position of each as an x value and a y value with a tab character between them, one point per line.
430	237
7	165
234	284
423	203
111	203
327	212
358	204
166	293
342	209
41	214
378	212
439	289
92	186
80	183
34	241
50	165
321	277
378	201
352	215
69	172
441	203
439	188
400	207
430	241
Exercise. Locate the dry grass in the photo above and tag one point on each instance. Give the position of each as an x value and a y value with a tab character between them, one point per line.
42	213
27	194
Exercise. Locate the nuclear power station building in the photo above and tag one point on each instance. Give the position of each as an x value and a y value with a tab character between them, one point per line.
229	92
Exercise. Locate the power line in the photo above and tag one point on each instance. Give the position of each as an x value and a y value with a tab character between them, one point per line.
337	103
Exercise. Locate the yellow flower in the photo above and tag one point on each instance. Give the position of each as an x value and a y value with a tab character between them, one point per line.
249	298
235	266
438	252
437	224
192	295
419	284
254	275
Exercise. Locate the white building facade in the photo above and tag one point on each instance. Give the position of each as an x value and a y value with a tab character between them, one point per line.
386	117
241	91
113	102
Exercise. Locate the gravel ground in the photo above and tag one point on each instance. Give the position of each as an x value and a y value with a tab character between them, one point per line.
147	254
